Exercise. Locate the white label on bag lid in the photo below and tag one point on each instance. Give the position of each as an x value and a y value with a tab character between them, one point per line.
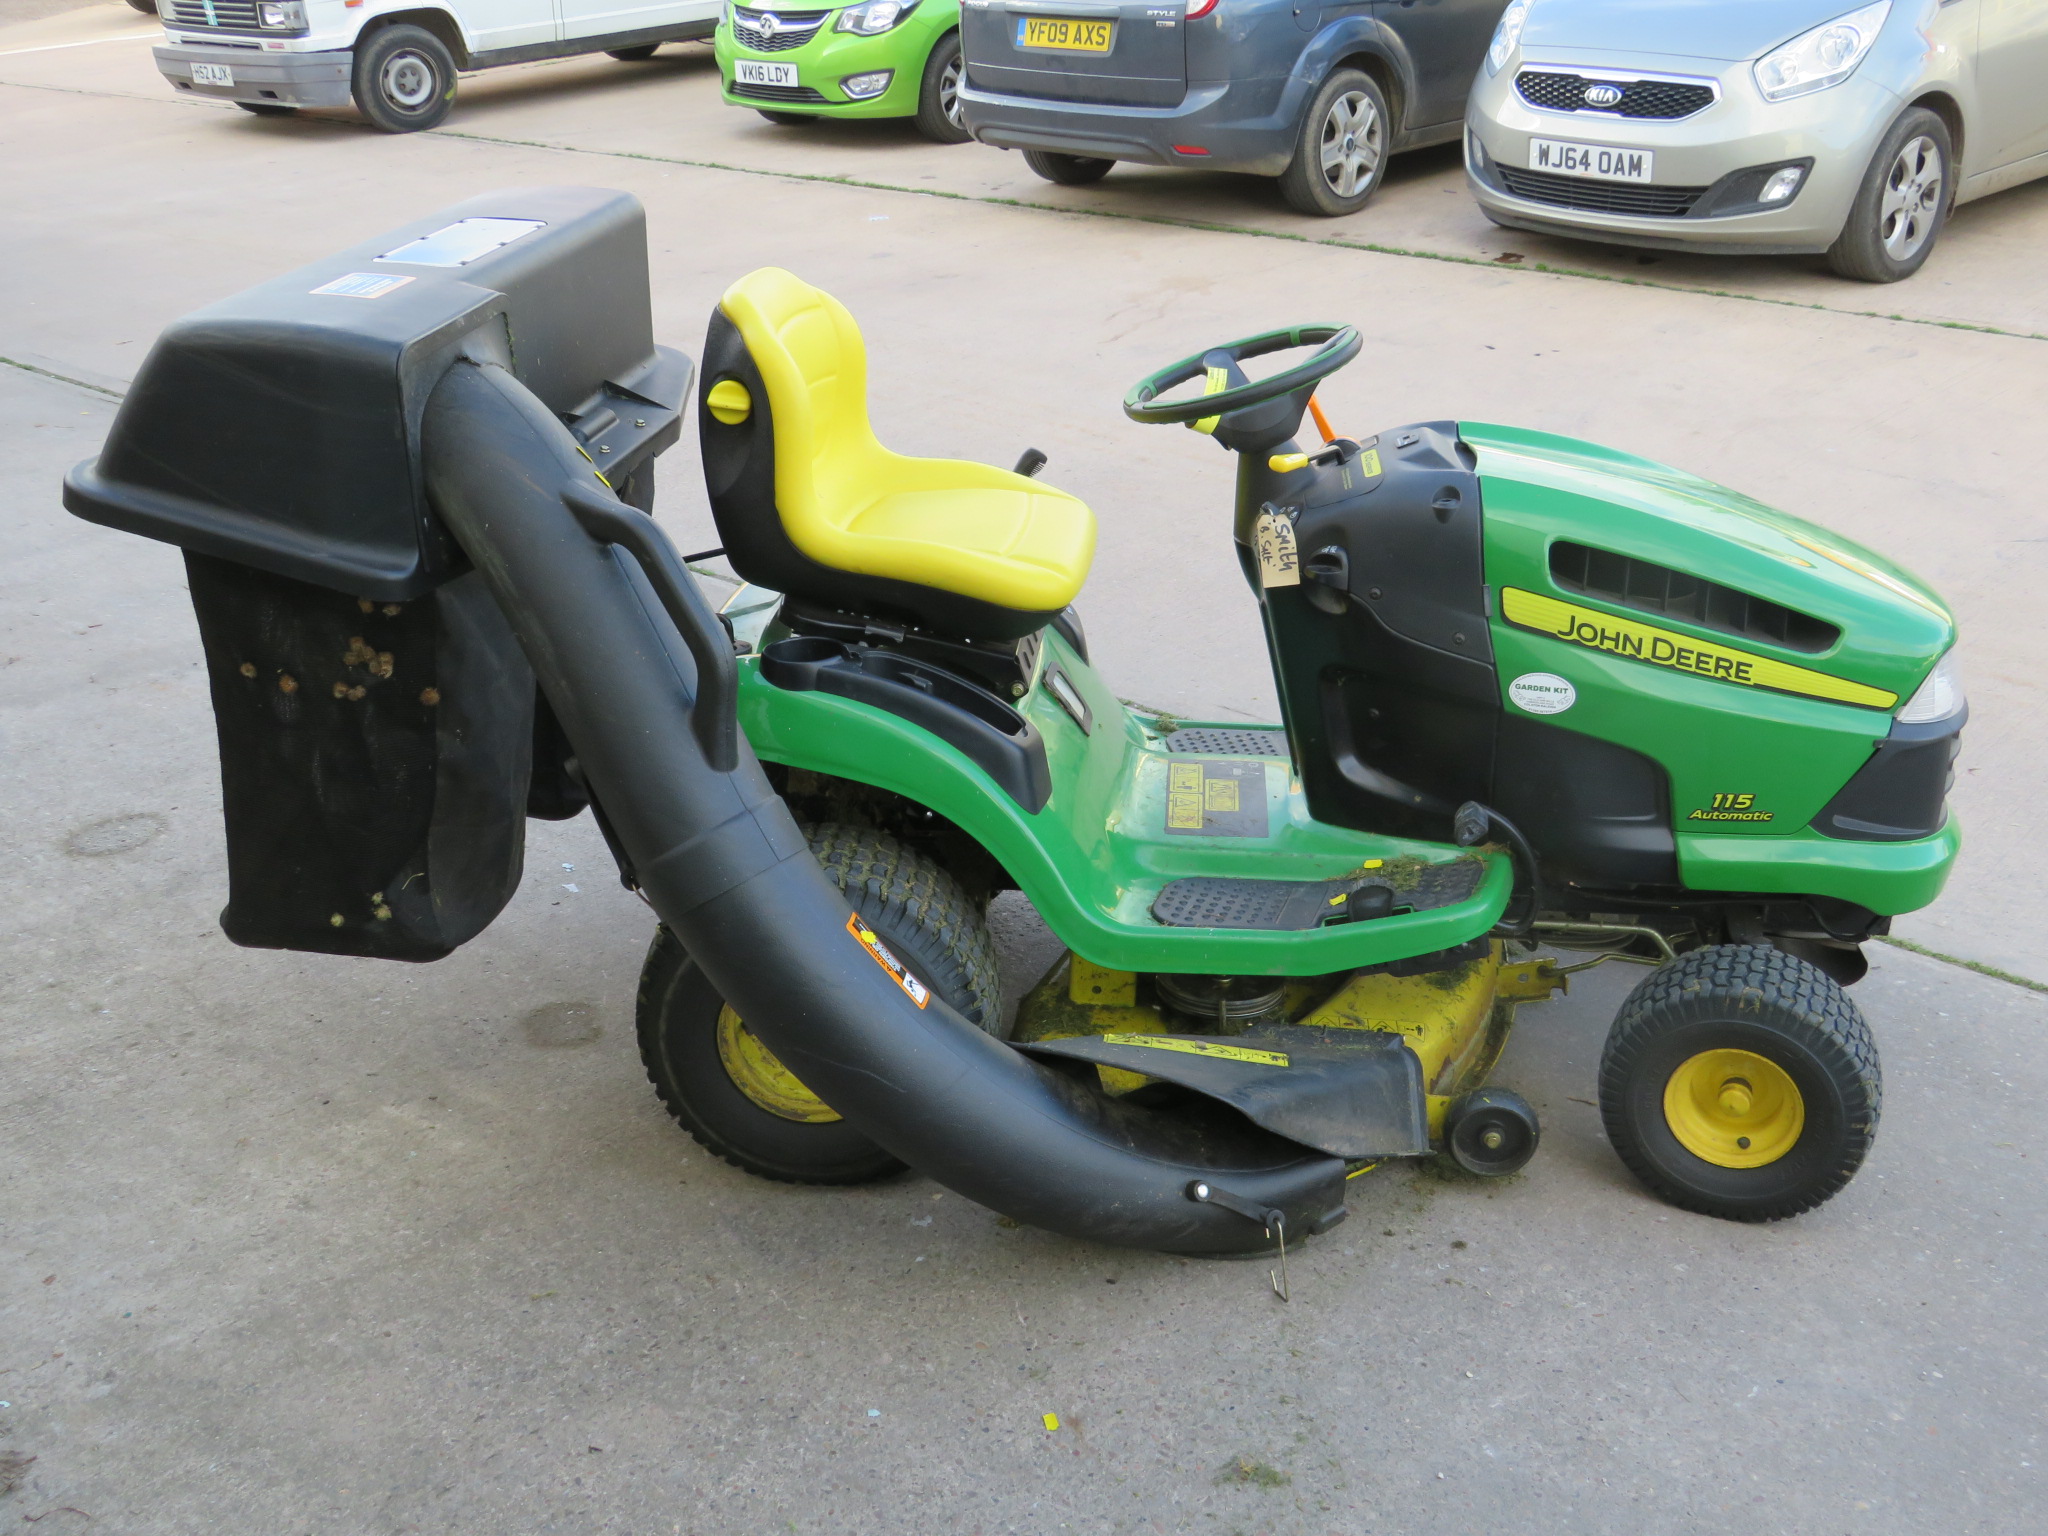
1543	693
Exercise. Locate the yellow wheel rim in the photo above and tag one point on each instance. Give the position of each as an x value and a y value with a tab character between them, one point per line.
756	1073
1734	1109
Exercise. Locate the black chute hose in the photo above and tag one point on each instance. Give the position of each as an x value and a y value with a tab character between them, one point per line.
723	863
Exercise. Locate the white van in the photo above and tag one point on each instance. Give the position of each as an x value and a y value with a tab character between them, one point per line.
397	59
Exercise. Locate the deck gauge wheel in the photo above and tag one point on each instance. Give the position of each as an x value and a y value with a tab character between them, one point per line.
1491	1132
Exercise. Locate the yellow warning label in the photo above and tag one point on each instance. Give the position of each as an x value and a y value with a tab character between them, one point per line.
1219	794
1184	796
871	941
1682	653
1188	1047
1214	382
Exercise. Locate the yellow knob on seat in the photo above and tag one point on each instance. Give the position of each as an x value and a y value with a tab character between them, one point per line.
1287	463
729	402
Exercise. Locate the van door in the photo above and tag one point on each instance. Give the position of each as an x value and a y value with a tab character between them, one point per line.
1445	40
610	18
2012	84
1121	53
489	25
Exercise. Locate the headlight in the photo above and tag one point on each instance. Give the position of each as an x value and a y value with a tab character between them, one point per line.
281	15
1937	698
1506	35
873	16
1826	56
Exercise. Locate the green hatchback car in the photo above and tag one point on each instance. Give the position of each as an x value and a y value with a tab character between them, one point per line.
876	58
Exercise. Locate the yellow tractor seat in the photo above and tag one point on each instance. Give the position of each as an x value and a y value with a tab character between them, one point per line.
810	504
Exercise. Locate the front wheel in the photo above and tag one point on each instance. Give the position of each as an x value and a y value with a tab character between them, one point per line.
732	1094
1067	170
1741	1082
1340	150
938	94
1903	203
404	79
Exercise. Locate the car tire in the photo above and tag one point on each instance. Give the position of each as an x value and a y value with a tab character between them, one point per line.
639	55
788	119
938	93
147	7
267	108
404	79
1341	147
1902	205
1067	170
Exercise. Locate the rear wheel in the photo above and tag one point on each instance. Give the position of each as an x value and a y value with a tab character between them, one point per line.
938	94
729	1091
1741	1082
788	119
1903	203
1067	170
639	55
1340	151
404	79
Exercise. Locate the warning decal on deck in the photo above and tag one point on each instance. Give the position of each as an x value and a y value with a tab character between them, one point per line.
870	941
1189	1047
1215	797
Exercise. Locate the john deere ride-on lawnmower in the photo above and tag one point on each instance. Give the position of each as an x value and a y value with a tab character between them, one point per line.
1536	696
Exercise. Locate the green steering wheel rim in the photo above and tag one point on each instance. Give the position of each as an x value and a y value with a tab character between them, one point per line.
1336	345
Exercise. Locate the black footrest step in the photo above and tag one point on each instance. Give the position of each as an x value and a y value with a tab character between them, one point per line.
1226	742
1207	901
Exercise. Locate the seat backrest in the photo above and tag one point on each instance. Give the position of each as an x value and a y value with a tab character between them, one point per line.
813	363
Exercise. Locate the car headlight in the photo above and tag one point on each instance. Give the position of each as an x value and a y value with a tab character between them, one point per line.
281	15
1826	56
1937	698
1506	35
873	16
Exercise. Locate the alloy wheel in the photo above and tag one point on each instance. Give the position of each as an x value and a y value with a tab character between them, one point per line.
1352	143
1912	198
949	91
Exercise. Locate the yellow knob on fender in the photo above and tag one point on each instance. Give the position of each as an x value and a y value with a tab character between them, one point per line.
729	402
1287	463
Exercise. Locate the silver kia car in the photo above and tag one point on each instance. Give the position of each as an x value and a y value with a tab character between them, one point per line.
1773	127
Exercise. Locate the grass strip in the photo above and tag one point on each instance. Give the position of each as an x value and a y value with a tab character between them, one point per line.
1213	226
63	378
1969	965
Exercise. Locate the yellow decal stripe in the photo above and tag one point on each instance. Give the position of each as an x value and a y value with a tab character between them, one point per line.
1189	1047
1682	653
1214	383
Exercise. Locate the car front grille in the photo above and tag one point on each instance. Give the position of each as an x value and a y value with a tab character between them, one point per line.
776	92
1665	99
771	31
228	15
1600	196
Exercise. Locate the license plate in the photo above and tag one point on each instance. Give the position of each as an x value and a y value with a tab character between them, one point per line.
1063	33
755	72
212	74
1595	161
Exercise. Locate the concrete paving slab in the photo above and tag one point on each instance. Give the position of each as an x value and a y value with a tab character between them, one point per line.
1985	273
305	1244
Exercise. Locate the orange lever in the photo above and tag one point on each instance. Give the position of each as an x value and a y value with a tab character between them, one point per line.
1322	421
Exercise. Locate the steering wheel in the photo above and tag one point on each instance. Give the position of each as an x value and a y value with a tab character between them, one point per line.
1228	388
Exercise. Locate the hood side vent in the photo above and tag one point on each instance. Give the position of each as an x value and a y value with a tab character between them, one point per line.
1651	588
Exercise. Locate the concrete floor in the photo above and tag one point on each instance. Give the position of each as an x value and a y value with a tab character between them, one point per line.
298	1244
